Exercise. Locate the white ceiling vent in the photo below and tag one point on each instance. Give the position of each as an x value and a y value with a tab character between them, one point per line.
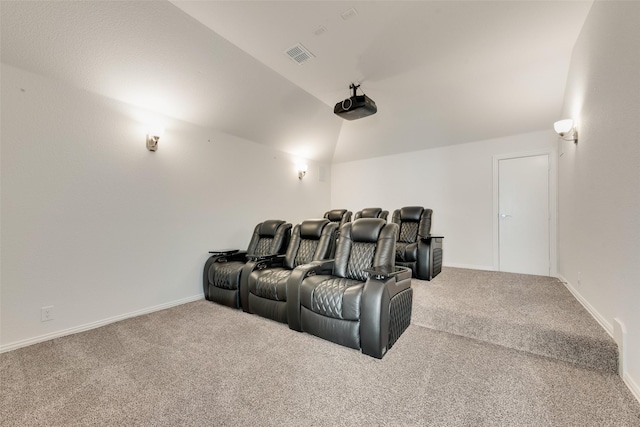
349	14
320	30
299	54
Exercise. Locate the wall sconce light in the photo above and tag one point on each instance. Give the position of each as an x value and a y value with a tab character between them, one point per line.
152	142
302	170
567	130
152	138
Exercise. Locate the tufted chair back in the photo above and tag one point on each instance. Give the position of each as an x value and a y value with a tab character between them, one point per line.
371	213
312	240
413	221
269	237
363	244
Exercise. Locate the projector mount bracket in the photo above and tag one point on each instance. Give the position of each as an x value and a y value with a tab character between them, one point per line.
355	88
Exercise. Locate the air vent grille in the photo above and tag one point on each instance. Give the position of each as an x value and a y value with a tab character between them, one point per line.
320	30
349	14
299	54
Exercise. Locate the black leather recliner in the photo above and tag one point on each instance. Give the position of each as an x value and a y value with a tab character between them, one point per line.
222	271
264	286
359	300
416	248
340	217
371	213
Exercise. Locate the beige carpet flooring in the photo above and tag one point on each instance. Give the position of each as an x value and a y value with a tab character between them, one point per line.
201	364
536	314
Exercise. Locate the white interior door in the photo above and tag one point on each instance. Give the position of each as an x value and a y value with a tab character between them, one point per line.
523	214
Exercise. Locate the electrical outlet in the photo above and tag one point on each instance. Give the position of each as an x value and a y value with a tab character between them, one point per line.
46	313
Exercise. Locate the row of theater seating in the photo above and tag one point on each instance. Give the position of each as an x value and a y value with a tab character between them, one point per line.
348	290
416	247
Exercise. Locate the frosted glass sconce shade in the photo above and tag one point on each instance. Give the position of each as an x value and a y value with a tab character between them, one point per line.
302	170
153	136
566	129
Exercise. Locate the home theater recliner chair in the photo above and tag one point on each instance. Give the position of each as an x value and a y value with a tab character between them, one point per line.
222	271
340	217
359	299
264	287
371	213
416	247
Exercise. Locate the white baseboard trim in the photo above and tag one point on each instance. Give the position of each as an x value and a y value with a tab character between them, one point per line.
469	267
633	386
620	337
608	327
97	324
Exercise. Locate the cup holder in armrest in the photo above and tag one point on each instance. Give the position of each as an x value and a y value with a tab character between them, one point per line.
252	257
384	272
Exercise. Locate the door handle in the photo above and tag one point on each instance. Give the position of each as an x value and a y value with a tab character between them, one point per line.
503	216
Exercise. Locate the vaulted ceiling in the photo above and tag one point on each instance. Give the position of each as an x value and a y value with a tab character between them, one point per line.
441	72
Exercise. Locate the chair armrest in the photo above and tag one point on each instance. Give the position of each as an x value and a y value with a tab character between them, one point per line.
374	313
293	288
402	282
224	252
384	272
270	261
229	255
219	256
424	267
428	237
253	257
318	267
411	252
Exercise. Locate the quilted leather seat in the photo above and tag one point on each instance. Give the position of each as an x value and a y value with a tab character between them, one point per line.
264	288
222	271
416	248
338	301
371	213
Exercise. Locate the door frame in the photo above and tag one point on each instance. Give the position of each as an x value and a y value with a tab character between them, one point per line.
553	206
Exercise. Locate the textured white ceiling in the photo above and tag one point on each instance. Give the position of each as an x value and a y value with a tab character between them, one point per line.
441	72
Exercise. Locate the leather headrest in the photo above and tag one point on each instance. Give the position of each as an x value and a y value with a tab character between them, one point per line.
269	227
370	212
336	214
367	229
411	213
312	228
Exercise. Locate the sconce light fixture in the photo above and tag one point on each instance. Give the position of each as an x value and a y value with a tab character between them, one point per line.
153	135
152	142
302	170
567	130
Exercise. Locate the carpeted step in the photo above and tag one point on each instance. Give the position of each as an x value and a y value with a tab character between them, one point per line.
535	314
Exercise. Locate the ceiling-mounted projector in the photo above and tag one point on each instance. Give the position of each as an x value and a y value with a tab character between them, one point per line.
356	107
